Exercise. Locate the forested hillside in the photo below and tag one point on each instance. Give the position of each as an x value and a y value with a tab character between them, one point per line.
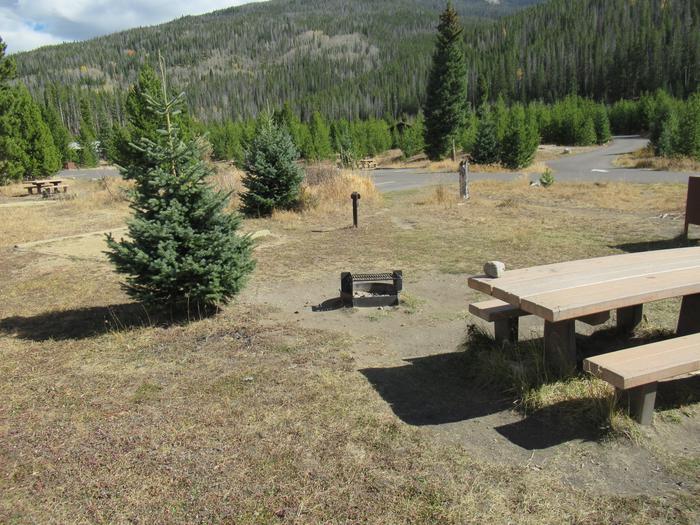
606	49
362	58
346	58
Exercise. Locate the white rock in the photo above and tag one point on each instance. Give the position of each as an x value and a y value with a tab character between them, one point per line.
494	268
260	234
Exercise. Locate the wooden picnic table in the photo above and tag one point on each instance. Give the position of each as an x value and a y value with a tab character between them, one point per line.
39	184
563	292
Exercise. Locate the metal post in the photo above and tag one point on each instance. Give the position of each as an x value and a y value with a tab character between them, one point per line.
355	197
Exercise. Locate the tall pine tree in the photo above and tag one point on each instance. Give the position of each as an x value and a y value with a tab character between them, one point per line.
27	150
183	251
446	96
87	155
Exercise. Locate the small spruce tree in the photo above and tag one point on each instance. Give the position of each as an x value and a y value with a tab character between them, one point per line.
320	138
446	96
410	141
689	128
486	148
520	140
602	124
87	155
272	176
183	250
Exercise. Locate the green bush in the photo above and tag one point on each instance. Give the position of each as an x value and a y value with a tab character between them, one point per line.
547	178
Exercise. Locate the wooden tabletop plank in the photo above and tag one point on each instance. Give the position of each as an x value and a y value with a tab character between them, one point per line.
653	362
516	283
517	291
47	181
576	302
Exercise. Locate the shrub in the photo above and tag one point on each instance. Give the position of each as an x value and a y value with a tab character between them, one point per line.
547	178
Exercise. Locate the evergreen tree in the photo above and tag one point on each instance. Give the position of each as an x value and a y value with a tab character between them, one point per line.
602	124
689	128
585	131
446	95
26	145
500	118
87	155
520	140
668	137
468	135
486	147
272	176
183	250
61	136
410	141
8	68
320	138
341	140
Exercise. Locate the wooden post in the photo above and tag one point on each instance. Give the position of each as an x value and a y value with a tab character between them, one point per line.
463	191
641	402
689	317
355	198
506	330
560	346
628	318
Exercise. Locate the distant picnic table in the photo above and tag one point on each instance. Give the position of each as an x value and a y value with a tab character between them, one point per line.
589	289
49	184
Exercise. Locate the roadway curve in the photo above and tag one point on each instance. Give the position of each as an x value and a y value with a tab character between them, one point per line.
593	166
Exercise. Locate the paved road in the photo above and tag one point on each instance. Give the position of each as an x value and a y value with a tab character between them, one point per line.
594	166
90	173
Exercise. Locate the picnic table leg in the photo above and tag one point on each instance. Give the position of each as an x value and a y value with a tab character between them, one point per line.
689	318
641	402
628	318
506	330
560	345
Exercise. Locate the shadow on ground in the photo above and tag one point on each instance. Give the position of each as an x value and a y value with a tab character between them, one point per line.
661	244
553	426
433	390
82	323
328	305
479	381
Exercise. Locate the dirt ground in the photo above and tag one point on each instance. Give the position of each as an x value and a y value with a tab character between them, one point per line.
407	362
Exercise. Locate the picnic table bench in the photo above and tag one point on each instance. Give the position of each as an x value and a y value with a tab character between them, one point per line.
50	184
565	292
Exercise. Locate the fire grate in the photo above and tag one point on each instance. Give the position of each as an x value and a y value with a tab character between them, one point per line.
371	289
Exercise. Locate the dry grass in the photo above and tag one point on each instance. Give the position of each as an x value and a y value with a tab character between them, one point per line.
443	196
394	159
227	178
326	190
225	420
645	159
110	416
90	206
602	195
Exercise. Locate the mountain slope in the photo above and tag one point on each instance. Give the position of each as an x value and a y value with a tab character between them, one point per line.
355	58
364	58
